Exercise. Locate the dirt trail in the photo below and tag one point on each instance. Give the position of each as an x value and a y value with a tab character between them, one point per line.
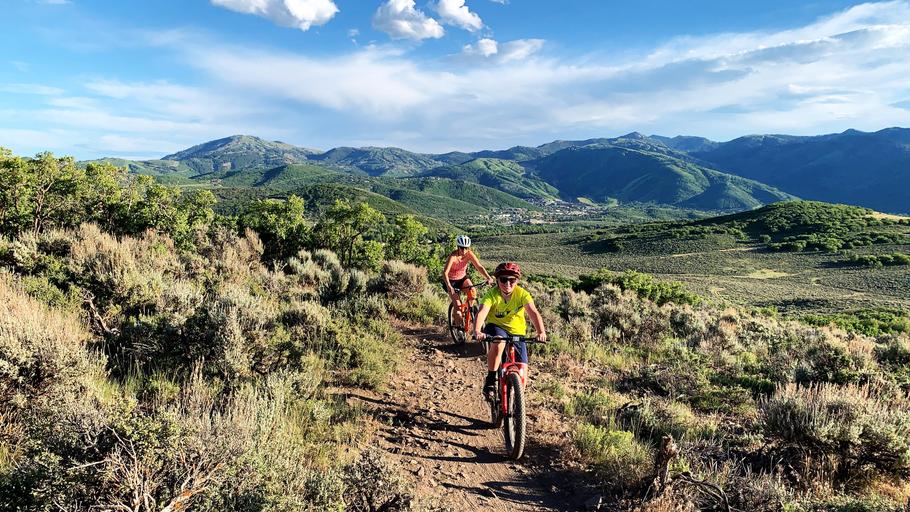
434	421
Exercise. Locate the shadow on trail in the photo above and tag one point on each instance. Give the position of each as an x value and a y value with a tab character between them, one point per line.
473	424
440	340
395	414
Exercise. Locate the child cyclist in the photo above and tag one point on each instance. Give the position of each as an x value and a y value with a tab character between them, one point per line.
505	305
455	273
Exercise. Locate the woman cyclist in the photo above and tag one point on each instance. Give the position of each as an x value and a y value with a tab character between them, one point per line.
455	273
506	305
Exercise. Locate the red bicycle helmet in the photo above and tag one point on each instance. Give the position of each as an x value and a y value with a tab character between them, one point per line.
507	269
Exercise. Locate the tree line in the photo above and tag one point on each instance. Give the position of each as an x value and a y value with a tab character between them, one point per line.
46	192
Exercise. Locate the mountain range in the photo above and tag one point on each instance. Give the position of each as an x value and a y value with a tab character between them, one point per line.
865	169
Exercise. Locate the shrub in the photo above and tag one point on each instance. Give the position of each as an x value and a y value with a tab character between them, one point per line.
644	285
827	358
655	418
595	407
621	460
851	426
125	275
374	484
400	280
306	269
894	352
40	349
235	333
427	307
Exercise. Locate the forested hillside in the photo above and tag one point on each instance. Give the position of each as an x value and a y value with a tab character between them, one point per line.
853	167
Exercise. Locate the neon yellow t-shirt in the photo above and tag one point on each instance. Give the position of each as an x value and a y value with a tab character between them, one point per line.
508	315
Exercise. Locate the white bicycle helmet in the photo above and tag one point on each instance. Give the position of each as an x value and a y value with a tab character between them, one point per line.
463	241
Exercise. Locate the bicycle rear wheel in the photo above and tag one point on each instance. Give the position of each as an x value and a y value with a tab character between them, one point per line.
514	424
456	331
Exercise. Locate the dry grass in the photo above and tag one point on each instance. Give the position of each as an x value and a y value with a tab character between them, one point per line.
767	273
40	348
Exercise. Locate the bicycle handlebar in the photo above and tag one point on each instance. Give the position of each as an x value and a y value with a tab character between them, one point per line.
514	339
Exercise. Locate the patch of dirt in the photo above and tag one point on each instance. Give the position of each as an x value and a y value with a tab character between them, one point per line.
434	421
880	215
767	273
701	253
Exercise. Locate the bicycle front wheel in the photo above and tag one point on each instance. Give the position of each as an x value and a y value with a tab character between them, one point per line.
514	425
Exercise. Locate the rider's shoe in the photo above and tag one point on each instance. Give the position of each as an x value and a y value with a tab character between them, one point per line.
489	384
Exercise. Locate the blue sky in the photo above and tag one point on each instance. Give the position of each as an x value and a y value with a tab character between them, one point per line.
135	79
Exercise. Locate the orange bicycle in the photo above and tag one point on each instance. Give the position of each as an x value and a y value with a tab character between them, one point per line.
468	309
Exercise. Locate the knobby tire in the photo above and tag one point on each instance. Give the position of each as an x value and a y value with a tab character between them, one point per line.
514	424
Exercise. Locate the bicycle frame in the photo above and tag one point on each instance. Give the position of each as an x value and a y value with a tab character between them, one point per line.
467	307
509	365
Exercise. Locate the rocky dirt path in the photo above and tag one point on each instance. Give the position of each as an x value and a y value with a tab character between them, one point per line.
433	420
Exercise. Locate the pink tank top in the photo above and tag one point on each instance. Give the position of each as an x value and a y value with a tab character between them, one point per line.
458	270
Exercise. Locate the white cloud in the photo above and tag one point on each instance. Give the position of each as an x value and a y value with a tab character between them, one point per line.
455	12
490	49
519	49
484	47
373	80
36	89
301	14
848	69
401	20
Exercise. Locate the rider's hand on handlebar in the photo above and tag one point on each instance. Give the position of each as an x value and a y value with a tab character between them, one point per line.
480	336
490	281
542	337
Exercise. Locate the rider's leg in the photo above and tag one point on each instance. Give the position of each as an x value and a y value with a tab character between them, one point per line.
466	289
521	356
456	302
494	355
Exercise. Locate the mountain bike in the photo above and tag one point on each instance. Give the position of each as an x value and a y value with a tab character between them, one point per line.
468	309
507	404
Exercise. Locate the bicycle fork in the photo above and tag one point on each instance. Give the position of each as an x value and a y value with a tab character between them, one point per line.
503	385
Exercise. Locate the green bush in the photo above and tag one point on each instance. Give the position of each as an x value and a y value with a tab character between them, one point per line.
644	285
428	307
655	418
851	426
399	280
41	350
620	459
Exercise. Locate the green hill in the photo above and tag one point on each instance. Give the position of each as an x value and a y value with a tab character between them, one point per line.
853	167
283	177
377	161
239	152
503	175
686	143
321	196
439	197
604	172
477	194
